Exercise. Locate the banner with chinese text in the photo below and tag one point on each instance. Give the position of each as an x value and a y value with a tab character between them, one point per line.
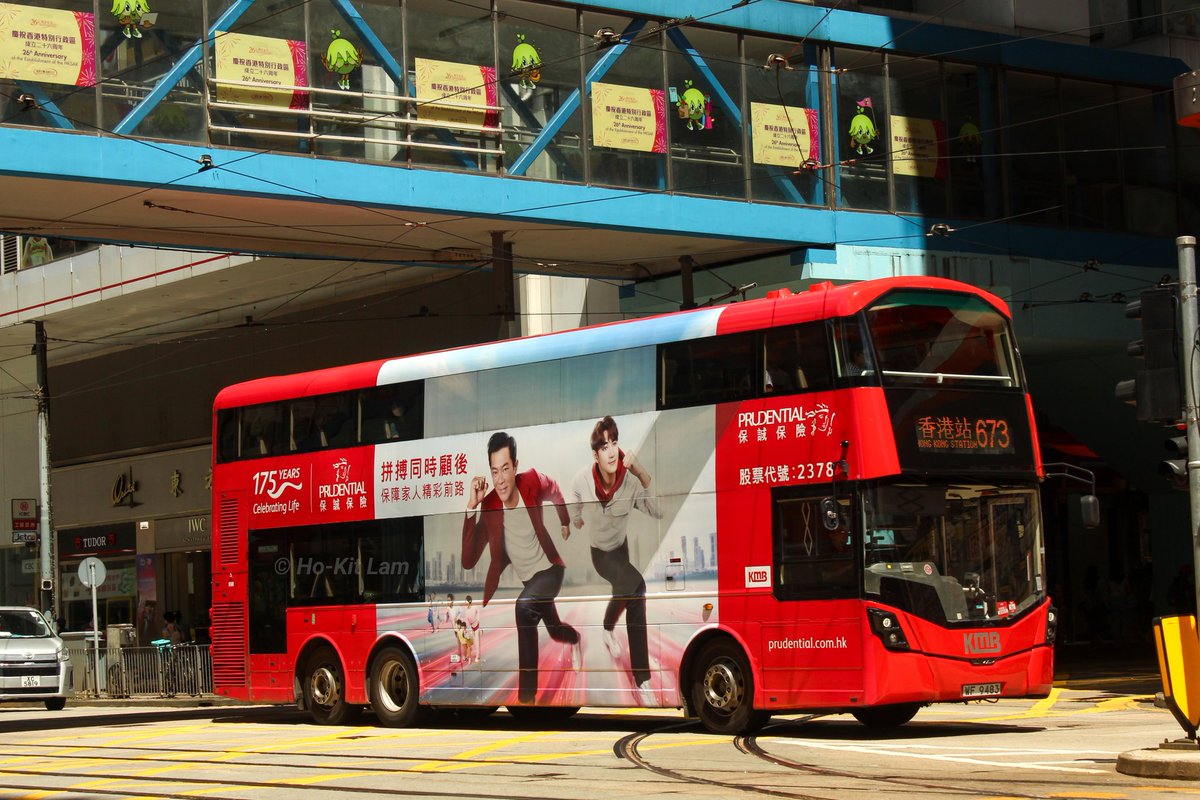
918	147
466	92
629	118
265	62
785	136
44	45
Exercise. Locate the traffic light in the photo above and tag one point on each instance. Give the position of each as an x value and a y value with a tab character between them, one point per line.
1156	390
1174	469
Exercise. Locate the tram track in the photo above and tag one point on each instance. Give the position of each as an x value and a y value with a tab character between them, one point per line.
628	748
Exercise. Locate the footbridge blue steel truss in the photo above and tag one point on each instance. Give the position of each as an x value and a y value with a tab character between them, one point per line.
805	217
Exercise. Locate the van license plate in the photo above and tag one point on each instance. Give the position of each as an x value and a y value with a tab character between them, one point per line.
981	690
31	680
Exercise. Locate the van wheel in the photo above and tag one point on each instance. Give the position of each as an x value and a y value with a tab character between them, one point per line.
892	716
56	704
396	689
723	690
324	686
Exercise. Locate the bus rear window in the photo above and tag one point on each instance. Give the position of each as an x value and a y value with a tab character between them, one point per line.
716	369
943	338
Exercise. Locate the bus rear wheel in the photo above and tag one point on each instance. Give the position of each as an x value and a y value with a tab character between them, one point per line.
56	703
723	690
892	716
324	686
396	689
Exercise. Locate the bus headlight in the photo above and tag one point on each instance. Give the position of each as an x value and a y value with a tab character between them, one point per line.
1051	624
886	626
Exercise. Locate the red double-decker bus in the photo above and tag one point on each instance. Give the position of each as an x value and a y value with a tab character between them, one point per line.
820	500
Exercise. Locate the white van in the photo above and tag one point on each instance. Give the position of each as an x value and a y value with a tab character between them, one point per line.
34	662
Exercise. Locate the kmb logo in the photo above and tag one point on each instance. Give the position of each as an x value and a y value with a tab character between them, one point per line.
981	642
758	576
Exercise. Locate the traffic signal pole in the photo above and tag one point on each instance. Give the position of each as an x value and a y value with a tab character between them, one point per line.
1190	317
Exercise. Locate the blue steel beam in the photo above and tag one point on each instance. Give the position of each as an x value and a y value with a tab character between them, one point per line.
181	68
572	103
518	105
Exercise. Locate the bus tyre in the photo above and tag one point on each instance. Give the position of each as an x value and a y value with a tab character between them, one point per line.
56	703
324	685
892	716
723	690
396	689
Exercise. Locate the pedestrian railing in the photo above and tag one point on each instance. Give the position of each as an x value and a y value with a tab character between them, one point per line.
166	670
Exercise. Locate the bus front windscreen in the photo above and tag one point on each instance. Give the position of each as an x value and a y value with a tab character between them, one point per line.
956	554
937	336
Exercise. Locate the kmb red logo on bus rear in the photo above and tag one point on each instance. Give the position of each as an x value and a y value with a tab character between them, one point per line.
981	642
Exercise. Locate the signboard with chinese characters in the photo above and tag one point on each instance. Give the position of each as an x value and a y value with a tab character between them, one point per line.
44	45
456	93
785	136
918	147
265	62
629	118
956	430
24	515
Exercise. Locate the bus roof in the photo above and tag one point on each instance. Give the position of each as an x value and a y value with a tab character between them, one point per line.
782	307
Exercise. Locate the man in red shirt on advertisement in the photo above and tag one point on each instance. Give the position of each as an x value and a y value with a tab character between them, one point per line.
511	526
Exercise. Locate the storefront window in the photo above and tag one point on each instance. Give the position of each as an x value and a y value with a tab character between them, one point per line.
862	130
627	113
784	124
704	98
540	54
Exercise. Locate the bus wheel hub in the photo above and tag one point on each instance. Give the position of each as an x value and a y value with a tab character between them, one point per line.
722	689
324	687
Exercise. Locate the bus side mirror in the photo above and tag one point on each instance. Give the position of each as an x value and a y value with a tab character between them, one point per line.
830	514
1089	510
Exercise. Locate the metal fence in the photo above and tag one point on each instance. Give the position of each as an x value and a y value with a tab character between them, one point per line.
174	671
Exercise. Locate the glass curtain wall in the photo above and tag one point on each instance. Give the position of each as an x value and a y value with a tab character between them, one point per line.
541	52
704	112
1033	148
1147	127
861	125
784	123
917	139
61	97
1091	138
975	186
627	112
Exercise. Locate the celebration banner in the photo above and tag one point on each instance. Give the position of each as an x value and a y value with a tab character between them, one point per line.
918	147
466	89
266	62
44	45
629	118
785	136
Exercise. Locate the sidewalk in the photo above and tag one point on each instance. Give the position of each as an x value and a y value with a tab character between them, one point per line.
1129	669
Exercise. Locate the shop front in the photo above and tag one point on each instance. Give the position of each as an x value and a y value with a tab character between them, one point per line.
147	518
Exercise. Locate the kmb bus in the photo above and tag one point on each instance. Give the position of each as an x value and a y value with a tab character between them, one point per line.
817	500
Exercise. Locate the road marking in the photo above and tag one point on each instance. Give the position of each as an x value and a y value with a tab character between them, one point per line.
444	766
899	752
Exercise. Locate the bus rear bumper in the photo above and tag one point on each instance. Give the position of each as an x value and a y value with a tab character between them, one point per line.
928	678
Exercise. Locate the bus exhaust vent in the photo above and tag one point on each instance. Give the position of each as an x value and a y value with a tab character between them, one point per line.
229	645
227	528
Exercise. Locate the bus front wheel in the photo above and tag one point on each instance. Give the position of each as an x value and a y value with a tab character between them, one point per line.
892	716
325	689
395	689
723	690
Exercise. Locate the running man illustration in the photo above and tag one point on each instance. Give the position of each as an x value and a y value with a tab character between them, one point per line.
603	494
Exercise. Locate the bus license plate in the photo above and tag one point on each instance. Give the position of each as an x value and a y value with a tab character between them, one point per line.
31	680
981	690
